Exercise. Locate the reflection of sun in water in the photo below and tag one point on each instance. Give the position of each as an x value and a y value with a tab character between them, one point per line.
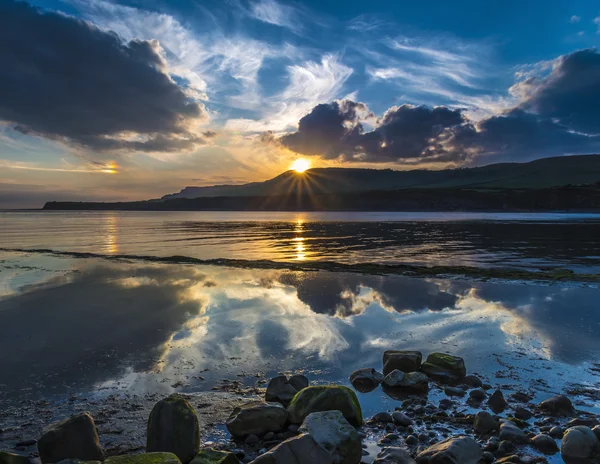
299	241
300	165
111	234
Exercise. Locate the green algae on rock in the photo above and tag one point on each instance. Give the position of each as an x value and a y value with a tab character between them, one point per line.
146	458
213	456
444	367
9	458
325	398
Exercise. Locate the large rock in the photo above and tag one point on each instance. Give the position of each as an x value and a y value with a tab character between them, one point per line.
256	418
496	402
579	443
325	398
213	456
366	379
458	450
405	361
512	433
302	449
394	455
393	379
146	458
415	381
557	406
484	423
444	367
332	431
73	438
282	390
545	443
173	428
9	458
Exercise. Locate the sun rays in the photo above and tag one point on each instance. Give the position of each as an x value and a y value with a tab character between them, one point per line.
300	165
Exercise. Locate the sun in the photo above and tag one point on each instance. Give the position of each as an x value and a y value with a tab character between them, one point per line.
300	165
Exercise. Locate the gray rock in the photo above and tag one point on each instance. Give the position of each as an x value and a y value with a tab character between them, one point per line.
556	432
402	419
394	455
578	443
366	379
256	418
496	402
213	456
454	391
523	413
521	397
334	433
444	367
487	456
144	458
415	381
280	390
173	428
557	406
405	361
393	379
302	449
596	431
325	398
510	432
73	438
472	381
545	443
484	423
384	417
505	448
477	395
456	450
298	381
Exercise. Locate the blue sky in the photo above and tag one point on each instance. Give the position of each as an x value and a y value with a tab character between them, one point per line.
237	78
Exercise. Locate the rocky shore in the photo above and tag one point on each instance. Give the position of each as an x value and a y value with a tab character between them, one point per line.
441	414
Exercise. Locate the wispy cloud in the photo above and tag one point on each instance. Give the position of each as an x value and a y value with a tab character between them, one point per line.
272	12
575	19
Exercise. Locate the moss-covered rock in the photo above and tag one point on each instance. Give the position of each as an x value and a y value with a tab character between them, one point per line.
173	428
9	458
325	398
256	418
213	456
444	367
146	458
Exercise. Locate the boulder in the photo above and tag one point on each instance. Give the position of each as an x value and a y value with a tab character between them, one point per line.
146	458
510	432
557	406
393	455
256	418
366	379
213	456
282	390
72	438
325	398
545	443
523	413
579	443
496	402
405	361
399	418
444	367
415	381
484	423
332	431
302	449
393	379
298	381
173	428
9	458
457	450
472	381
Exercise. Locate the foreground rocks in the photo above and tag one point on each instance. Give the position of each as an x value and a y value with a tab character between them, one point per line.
212	456
444	367
459	450
579	443
282	390
256	418
302	449
146	458
325	398
334	433
404	361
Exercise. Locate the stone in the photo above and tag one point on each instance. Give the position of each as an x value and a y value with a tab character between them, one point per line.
366	379
556	432
496	402
578	443
477	395
146	458
9	458
484	423
298	381
521	397
545	444
256	418
325	398
444	367
487	456
394	455
472	381
281	389
523	413
456	450
252	440
505	448
393	379
173	428
213	456
454	391
72	438
302	449
332	431
557	406
399	418
512	433
596	430
405	361
415	381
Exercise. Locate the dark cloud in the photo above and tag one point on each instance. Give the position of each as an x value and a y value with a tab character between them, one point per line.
65	79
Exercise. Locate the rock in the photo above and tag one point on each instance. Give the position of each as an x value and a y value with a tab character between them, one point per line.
213	456
456	450
384	417
366	379
405	361
334	433
393	455
454	391
402	419
496	402
477	395
505	448
9	458
484	423
73	438
545	444
521	397
173	428
596	431
512	433
393	379
556	432
557	406
472	381
325	398
587	421
256	418
487	456
298	381
302	449
415	381
523	413
444	367
411	440
578	443
252	440
281	390
146	458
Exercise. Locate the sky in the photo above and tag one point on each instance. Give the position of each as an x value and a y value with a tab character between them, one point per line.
126	100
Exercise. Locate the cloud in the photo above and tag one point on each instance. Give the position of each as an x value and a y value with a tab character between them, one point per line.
276	14
65	79
574	19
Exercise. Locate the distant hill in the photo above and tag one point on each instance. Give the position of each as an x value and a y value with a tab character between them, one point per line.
538	174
